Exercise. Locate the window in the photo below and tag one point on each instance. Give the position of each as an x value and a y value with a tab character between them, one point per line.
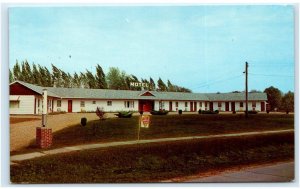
186	104
241	104
14	104
176	104
58	103
82	103
219	104
205	104
109	103
94	102
129	104
200	104
254	104
161	105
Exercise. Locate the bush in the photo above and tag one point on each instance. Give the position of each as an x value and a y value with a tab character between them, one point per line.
252	112
124	114
83	121
209	112
179	112
199	111
160	112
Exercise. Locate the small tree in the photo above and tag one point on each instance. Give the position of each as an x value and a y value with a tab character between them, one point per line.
287	102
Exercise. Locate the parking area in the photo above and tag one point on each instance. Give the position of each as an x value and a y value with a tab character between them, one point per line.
23	133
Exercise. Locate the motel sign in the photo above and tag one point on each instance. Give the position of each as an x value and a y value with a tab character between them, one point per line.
138	84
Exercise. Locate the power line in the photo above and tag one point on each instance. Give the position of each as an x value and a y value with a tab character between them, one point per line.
273	75
218	81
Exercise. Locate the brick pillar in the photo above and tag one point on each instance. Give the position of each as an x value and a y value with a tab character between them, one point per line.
43	137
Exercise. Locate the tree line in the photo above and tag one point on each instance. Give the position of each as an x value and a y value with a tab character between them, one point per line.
279	101
114	79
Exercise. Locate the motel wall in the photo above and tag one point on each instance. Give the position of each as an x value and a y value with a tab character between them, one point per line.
24	105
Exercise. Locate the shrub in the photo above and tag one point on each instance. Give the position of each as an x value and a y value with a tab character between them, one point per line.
209	112
179	112
160	112
252	112
199	111
124	114
83	121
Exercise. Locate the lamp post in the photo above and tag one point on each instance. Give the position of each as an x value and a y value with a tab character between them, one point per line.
44	133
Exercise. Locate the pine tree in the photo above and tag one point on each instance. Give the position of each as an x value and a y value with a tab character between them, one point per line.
161	85
56	77
17	71
91	81
48	78
152	85
171	88
36	77
100	78
11	77
43	78
76	81
83	80
28	71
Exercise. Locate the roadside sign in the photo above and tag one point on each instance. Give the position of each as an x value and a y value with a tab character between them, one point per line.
145	121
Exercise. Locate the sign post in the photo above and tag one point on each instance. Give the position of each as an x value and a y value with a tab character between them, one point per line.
43	133
144	122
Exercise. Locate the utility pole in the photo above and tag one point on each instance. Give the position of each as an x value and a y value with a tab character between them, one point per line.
246	73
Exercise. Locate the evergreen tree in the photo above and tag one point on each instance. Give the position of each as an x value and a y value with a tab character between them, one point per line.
171	88
11	77
135	79
17	71
76	81
48	76
161	85
83	80
43	78
36	77
56	77
100	78
152	85
28	75
91	80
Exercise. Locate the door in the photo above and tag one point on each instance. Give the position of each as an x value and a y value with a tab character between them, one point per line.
191	106
170	106
69	105
195	106
211	106
227	106
262	106
233	106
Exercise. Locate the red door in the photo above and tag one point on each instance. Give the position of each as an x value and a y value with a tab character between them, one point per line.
211	106
170	106
195	106
262	105
69	105
227	106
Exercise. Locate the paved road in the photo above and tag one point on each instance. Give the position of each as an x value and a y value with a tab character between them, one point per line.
279	172
21	157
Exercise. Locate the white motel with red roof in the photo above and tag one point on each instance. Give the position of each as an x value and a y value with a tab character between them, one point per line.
26	98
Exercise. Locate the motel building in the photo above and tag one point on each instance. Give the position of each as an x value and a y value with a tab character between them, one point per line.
26	98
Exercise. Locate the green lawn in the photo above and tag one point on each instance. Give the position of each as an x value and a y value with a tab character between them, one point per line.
154	162
122	129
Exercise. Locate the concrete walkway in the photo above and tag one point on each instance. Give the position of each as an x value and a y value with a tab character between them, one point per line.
21	157
278	172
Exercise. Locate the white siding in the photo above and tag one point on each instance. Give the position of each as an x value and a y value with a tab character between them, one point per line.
26	105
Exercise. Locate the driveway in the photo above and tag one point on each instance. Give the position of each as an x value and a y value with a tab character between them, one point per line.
23	133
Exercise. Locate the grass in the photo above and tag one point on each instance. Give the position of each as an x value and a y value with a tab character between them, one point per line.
154	162
123	129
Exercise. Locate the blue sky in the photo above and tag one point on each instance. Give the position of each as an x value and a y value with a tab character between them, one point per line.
203	48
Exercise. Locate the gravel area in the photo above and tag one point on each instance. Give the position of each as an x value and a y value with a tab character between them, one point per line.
23	133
